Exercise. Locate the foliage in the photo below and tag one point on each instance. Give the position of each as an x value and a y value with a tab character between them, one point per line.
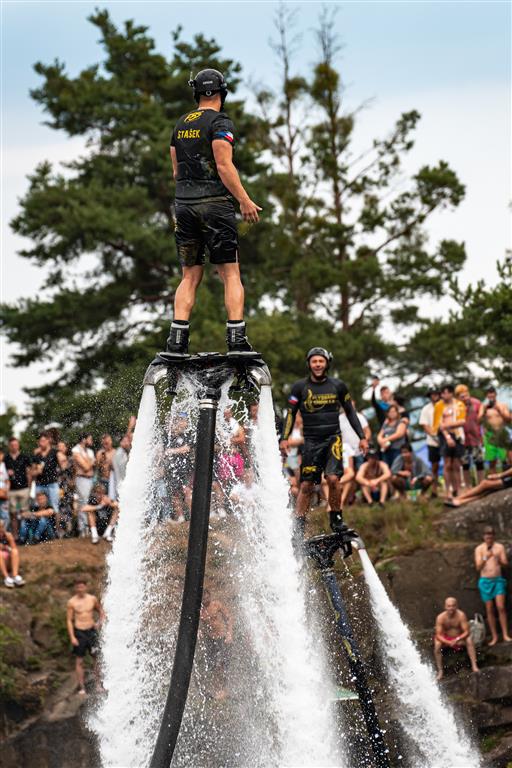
8	638
8	421
341	257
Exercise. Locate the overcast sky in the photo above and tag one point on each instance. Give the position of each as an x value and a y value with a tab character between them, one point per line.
449	60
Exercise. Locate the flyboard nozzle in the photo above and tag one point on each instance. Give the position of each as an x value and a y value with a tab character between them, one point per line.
154	374
322	548
358	543
259	375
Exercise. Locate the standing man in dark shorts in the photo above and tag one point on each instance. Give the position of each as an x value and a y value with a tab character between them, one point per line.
83	630
319	399
206	183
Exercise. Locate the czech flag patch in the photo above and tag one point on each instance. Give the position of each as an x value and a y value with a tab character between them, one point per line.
225	135
293	400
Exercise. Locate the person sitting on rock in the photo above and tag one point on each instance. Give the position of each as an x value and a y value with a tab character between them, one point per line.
9	558
452	632
101	512
37	523
490	558
373	478
410	473
492	483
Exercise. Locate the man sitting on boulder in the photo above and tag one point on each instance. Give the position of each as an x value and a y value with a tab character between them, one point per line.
452	632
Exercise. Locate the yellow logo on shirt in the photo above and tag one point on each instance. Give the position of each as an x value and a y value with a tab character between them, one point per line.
192	116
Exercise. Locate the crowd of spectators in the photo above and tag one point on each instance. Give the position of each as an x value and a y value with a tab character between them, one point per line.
56	491
465	438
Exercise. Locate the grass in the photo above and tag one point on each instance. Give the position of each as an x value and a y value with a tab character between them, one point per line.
400	528
8	638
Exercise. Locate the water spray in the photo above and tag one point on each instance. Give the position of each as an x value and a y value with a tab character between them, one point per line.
216	370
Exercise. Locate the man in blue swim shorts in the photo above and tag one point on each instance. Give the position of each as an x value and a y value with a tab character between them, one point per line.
490	558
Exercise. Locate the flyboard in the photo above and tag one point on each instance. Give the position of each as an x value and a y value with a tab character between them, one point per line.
246	373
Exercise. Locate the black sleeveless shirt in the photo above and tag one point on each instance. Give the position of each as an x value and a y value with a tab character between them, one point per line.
192	138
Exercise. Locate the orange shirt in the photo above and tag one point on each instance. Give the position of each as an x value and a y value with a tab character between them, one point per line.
458	414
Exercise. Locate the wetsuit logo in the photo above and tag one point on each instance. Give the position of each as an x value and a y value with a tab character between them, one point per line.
313	403
192	116
337	448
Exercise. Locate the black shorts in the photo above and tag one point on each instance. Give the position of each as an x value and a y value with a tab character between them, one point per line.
507	481
322	456
211	225
434	454
87	641
451	452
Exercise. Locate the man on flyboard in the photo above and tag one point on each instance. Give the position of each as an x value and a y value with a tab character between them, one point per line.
206	183
319	399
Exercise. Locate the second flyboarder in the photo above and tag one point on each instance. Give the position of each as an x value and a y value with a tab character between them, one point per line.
319	399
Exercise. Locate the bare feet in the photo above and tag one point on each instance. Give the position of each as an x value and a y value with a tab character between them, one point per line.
507	639
439	676
475	670
492	642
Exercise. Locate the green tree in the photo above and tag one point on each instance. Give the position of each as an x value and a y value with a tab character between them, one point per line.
103	228
341	257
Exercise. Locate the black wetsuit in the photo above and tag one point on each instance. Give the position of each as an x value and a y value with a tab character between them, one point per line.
319	403
205	214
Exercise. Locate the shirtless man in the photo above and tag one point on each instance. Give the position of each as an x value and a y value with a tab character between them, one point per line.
373	477
495	417
104	461
217	622
82	630
452	631
494	482
490	558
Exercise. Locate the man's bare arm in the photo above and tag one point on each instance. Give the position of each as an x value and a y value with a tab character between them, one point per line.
69	623
464	625
439	629
223	154
101	613
174	161
502	556
479	560
83	463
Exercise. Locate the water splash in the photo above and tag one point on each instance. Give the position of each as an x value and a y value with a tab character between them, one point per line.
120	722
278	711
426	717
275	612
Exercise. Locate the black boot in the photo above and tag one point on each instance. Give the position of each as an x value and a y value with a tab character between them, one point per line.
336	521
177	343
237	341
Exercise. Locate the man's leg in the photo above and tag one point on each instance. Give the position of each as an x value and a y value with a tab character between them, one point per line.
502	616
425	484
367	493
399	484
435	477
233	291
456	465
470	647
334	492
448	475
439	658
485	487
384	490
80	674
491	620
185	296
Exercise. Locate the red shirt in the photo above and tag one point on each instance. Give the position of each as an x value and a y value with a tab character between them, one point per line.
472	429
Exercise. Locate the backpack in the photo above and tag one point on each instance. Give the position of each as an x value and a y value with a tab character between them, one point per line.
477	629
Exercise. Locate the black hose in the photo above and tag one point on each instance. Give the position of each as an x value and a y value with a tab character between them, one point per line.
357	669
192	588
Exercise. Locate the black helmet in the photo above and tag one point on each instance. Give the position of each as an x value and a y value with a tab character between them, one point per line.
319	351
207	82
